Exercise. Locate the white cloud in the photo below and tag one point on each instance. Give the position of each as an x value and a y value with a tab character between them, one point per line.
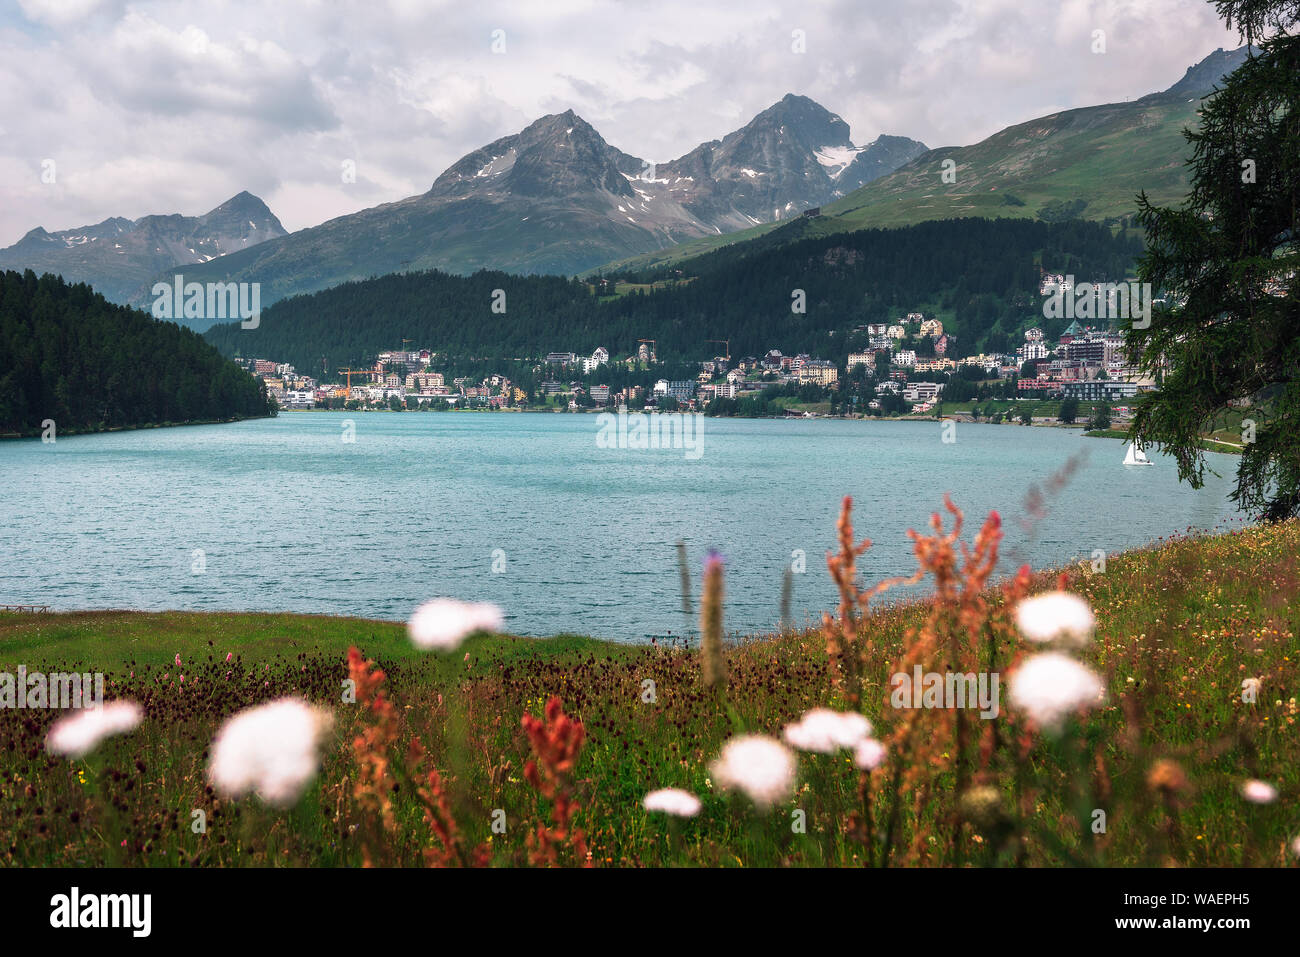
63	12
157	107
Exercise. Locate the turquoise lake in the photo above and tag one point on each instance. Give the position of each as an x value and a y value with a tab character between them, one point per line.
528	511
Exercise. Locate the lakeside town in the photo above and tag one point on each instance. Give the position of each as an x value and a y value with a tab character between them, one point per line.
906	367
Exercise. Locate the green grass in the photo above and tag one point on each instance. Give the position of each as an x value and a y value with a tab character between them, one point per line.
107	640
1207	444
623	288
1180	624
1038	408
792	403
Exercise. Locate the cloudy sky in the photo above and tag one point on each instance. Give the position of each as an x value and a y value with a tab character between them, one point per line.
161	107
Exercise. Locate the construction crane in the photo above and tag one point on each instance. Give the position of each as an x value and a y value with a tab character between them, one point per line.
350	373
723	342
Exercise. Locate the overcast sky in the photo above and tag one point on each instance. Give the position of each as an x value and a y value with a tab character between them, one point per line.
162	107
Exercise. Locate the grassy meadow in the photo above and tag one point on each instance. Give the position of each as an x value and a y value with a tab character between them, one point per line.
433	763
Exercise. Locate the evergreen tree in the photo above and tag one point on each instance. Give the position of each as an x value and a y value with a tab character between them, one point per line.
1227	262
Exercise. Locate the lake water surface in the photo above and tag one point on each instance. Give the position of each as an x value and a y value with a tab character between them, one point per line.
288	516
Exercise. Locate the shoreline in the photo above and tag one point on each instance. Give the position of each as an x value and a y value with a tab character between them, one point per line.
795	417
1207	444
60	433
65	616
75	616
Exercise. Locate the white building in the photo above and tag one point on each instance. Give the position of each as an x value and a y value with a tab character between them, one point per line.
598	358
904	357
922	391
862	359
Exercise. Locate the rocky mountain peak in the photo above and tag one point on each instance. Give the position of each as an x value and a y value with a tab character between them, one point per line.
118	254
799	120
556	155
1203	77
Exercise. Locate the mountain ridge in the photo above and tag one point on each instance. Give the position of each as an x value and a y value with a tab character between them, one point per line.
556	197
1086	161
117	254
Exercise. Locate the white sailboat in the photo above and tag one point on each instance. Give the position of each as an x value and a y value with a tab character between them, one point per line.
1135	456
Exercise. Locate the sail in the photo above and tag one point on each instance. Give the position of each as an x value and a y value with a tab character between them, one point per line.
1135	456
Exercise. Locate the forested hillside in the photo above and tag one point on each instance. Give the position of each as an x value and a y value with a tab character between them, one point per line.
69	355
980	275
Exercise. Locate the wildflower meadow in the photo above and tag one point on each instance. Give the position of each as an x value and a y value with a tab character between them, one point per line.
1143	715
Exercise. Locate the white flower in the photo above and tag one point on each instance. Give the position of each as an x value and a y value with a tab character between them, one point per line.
868	754
442	624
271	750
1295	846
1259	792
826	731
1050	686
673	801
76	735
1053	615
760	767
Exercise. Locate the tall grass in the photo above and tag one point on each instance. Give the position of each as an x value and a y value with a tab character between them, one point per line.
520	752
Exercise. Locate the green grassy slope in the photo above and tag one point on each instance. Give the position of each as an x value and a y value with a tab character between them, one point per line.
1103	155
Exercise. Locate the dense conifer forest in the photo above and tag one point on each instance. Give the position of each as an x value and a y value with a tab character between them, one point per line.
70	356
980	275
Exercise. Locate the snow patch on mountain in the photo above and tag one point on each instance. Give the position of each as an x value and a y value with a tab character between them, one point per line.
498	165
836	159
